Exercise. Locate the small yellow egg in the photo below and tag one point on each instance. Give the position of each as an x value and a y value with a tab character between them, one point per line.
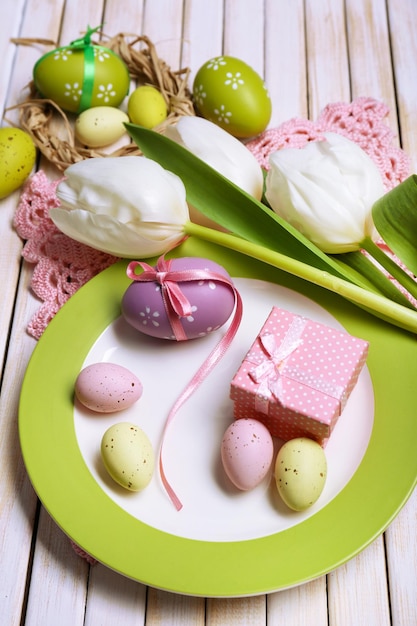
147	107
300	472
128	456
100	126
17	158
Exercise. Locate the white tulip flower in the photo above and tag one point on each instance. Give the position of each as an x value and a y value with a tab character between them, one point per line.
223	152
326	190
129	206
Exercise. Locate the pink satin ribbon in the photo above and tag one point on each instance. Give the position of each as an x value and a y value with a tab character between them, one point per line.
270	371
177	305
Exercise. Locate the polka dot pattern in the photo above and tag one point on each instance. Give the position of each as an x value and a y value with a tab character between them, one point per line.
326	359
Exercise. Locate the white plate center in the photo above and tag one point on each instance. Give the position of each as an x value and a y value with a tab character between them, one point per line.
213	509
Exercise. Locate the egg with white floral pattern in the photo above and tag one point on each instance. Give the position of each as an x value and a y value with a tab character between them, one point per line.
229	93
77	78
211	302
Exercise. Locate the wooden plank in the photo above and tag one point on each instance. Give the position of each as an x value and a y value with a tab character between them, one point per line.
10	27
113	599
17	499
59	579
403	21
298	605
359	588
77	16
236	611
126	19
327	54
162	23
244	32
202	34
285	60
401	547
370	53
9	266
39	23
170	609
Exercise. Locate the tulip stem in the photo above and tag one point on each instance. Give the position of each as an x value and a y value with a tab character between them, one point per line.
377	304
390	266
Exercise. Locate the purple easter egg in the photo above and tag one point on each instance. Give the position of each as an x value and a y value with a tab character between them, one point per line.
212	302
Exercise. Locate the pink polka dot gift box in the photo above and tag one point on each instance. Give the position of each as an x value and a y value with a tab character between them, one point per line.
297	376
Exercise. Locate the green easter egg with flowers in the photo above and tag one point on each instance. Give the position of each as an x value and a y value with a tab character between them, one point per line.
229	93
82	75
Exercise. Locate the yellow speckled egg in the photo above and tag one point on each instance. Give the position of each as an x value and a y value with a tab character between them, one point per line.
100	126
82	75
300	472
128	456
231	94
17	158
147	107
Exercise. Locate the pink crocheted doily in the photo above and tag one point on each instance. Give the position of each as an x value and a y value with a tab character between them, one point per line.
62	265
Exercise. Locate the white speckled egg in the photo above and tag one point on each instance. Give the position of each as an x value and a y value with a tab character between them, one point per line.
107	387
212	303
128	456
247	450
300	472
231	94
100	126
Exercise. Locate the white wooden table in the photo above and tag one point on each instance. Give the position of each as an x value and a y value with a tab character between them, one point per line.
311	53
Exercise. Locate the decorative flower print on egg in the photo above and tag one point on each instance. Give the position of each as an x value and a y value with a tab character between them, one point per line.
231	94
80	77
212	303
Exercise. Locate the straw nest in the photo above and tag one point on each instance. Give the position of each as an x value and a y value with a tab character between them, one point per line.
52	129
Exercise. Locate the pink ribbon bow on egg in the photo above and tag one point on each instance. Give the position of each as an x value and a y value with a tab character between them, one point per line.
175	302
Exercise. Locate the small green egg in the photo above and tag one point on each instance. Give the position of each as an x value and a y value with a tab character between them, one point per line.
17	158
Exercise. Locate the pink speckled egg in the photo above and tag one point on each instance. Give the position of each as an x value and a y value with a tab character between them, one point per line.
107	387
247	450
212	303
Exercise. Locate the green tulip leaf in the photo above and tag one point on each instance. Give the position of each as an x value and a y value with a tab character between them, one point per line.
358	261
395	217
229	206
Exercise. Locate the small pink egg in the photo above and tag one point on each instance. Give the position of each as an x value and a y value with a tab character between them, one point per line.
247	450
107	387
211	302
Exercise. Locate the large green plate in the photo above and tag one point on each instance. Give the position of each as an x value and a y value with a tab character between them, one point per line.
347	524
